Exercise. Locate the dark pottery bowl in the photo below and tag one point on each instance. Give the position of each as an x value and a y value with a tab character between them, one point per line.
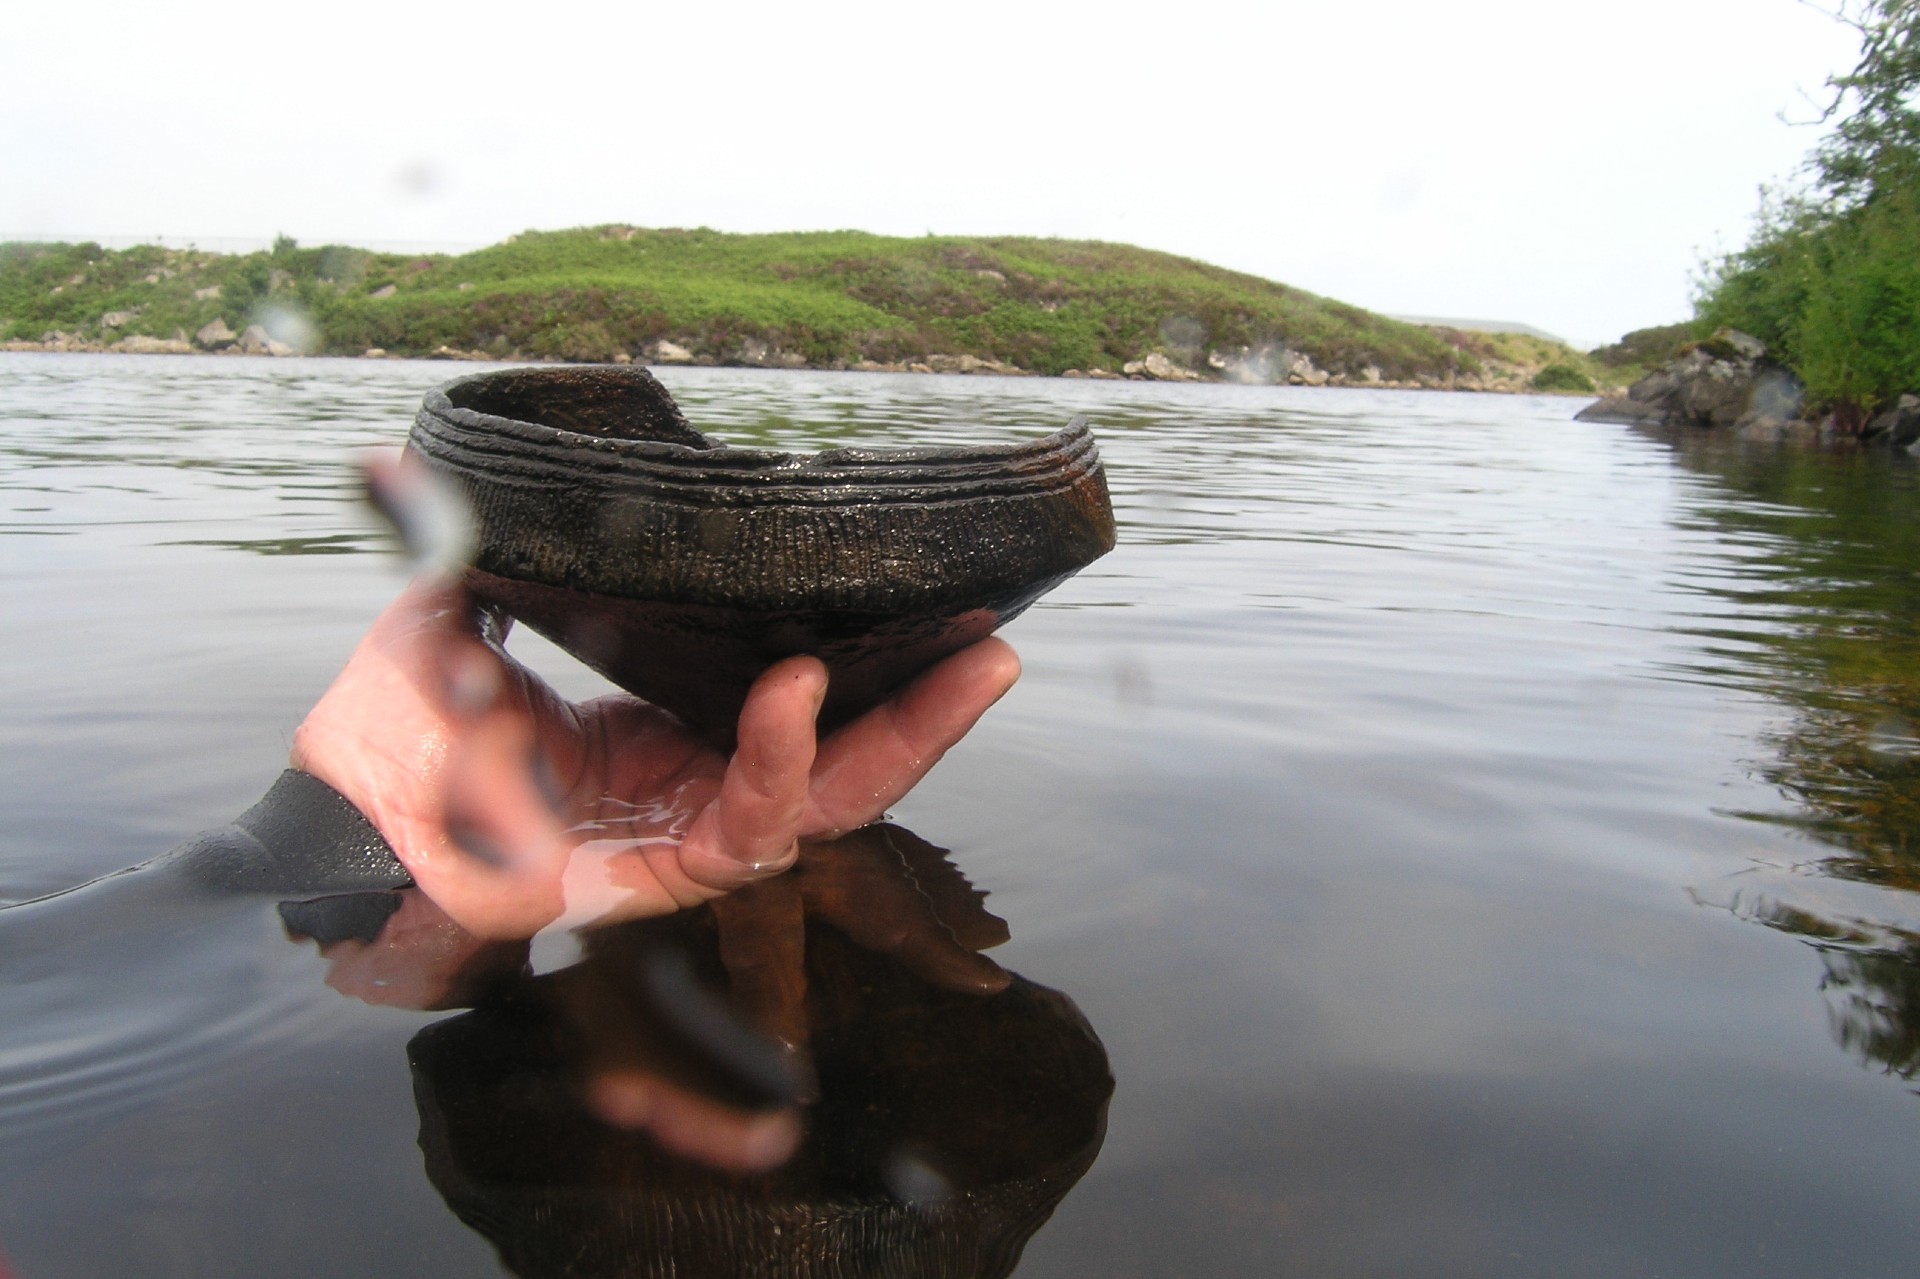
680	568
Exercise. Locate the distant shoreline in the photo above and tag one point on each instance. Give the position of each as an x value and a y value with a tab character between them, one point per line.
1005	306
1332	383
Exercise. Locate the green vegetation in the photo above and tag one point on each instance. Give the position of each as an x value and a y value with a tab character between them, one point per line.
1831	279
1561	377
825	299
1645	349
1515	361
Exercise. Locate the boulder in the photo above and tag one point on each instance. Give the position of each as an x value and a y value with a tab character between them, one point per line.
1898	426
385	291
972	364
215	334
1301	372
1621	409
255	341
61	340
116	319
664	352
141	344
1723	381
1776	394
1157	366
207	294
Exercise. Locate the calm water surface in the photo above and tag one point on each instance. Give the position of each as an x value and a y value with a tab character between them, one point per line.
1480	840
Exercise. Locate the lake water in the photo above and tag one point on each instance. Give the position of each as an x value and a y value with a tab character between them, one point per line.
1481	841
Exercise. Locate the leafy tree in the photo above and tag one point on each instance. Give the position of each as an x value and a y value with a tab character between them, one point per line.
1876	136
1831	278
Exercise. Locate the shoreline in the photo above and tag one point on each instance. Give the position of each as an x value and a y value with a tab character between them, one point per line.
1006	306
937	366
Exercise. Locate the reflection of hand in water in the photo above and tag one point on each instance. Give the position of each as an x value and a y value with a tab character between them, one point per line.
672	1061
884	888
514	808
419	959
946	1122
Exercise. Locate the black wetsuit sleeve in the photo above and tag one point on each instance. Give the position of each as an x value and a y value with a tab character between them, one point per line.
302	837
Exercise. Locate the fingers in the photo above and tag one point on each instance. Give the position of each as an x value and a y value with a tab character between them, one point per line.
752	827
499	871
691	1125
860	885
867	766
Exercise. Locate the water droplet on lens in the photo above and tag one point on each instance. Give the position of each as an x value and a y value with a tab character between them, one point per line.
912	1180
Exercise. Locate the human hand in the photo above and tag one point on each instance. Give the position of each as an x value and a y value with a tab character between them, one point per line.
515	809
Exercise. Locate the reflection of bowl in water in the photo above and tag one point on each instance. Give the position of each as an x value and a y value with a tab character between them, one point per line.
948	1129
681	569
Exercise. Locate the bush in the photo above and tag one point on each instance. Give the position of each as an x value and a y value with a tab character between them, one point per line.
1561	377
1645	347
1858	339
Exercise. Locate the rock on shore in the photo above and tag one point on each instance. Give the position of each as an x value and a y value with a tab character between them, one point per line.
1726	381
1729	382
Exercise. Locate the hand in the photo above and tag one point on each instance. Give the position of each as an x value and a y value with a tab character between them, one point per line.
515	809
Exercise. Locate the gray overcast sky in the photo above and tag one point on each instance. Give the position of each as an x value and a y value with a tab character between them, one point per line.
1558	164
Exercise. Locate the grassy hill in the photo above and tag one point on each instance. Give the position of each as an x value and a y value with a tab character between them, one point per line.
819	299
